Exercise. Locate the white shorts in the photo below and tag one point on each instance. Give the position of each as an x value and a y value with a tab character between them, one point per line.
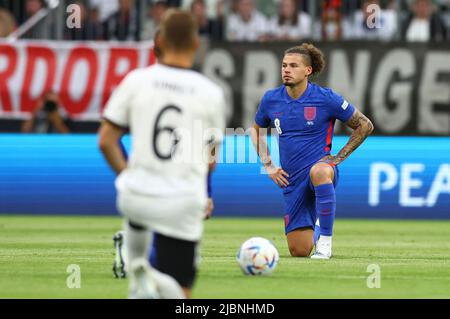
178	217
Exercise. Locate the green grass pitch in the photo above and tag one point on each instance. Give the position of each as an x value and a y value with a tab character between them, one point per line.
413	256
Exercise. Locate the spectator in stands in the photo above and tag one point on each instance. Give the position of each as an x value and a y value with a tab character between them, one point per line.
424	23
42	29
290	23
7	23
90	28
371	23
248	24
46	118
155	13
94	16
329	27
124	25
208	28
212	7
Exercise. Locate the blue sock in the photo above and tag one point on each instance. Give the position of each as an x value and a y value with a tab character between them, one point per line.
326	207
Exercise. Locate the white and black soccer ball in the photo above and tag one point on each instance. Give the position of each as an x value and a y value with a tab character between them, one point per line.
257	256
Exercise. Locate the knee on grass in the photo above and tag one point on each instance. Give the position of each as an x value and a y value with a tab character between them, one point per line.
300	251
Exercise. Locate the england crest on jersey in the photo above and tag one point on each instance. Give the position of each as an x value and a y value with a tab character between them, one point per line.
310	114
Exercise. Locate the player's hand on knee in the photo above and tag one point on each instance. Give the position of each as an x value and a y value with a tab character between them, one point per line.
278	175
329	159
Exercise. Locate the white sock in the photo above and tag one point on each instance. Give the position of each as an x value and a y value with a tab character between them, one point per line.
137	242
325	239
168	287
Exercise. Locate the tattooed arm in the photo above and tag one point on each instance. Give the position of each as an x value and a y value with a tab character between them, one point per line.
362	127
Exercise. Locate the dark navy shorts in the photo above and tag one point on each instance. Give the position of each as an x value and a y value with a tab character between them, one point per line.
300	201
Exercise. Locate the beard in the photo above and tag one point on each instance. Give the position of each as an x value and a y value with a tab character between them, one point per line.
289	83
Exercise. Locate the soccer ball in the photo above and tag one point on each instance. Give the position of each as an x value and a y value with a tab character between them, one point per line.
257	256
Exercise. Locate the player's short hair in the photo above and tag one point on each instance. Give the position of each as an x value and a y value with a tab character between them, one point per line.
311	55
178	29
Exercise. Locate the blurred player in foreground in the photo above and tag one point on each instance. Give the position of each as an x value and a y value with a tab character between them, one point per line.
120	253
176	119
304	114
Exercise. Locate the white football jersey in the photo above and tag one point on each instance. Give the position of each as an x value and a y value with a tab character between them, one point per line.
173	114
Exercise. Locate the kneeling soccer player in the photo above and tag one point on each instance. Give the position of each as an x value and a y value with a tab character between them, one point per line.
162	189
304	114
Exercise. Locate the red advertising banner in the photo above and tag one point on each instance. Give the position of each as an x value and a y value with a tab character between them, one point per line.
82	74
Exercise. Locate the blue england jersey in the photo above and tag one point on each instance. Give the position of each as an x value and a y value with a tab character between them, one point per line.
305	126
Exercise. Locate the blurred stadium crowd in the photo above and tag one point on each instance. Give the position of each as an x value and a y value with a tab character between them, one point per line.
240	20
222	23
